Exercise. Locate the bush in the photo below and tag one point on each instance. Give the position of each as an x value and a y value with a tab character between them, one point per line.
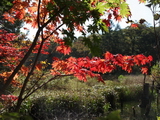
129	93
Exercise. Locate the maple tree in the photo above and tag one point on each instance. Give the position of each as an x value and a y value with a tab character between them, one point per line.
49	17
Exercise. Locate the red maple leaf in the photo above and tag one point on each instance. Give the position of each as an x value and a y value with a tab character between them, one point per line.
108	55
144	70
65	49
39	67
107	22
150	58
134	25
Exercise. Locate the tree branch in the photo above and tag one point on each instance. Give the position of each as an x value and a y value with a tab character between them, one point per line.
38	12
20	99
54	31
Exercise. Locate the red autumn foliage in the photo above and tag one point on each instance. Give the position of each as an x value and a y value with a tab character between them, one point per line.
10	55
65	49
14	82
107	22
44	48
9	97
84	67
134	25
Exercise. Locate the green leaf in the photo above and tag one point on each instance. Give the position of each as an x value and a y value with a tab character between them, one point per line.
87	42
124	11
113	1
9	4
154	1
68	41
93	43
50	6
156	16
105	28
101	7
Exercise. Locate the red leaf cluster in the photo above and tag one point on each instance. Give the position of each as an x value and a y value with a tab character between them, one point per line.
6	37
62	48
107	22
113	12
65	49
9	97
134	25
9	54
44	48
86	67
14	82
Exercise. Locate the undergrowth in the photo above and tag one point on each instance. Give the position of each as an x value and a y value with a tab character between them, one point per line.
70	98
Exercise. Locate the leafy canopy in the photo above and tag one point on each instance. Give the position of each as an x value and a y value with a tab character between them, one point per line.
71	13
48	16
